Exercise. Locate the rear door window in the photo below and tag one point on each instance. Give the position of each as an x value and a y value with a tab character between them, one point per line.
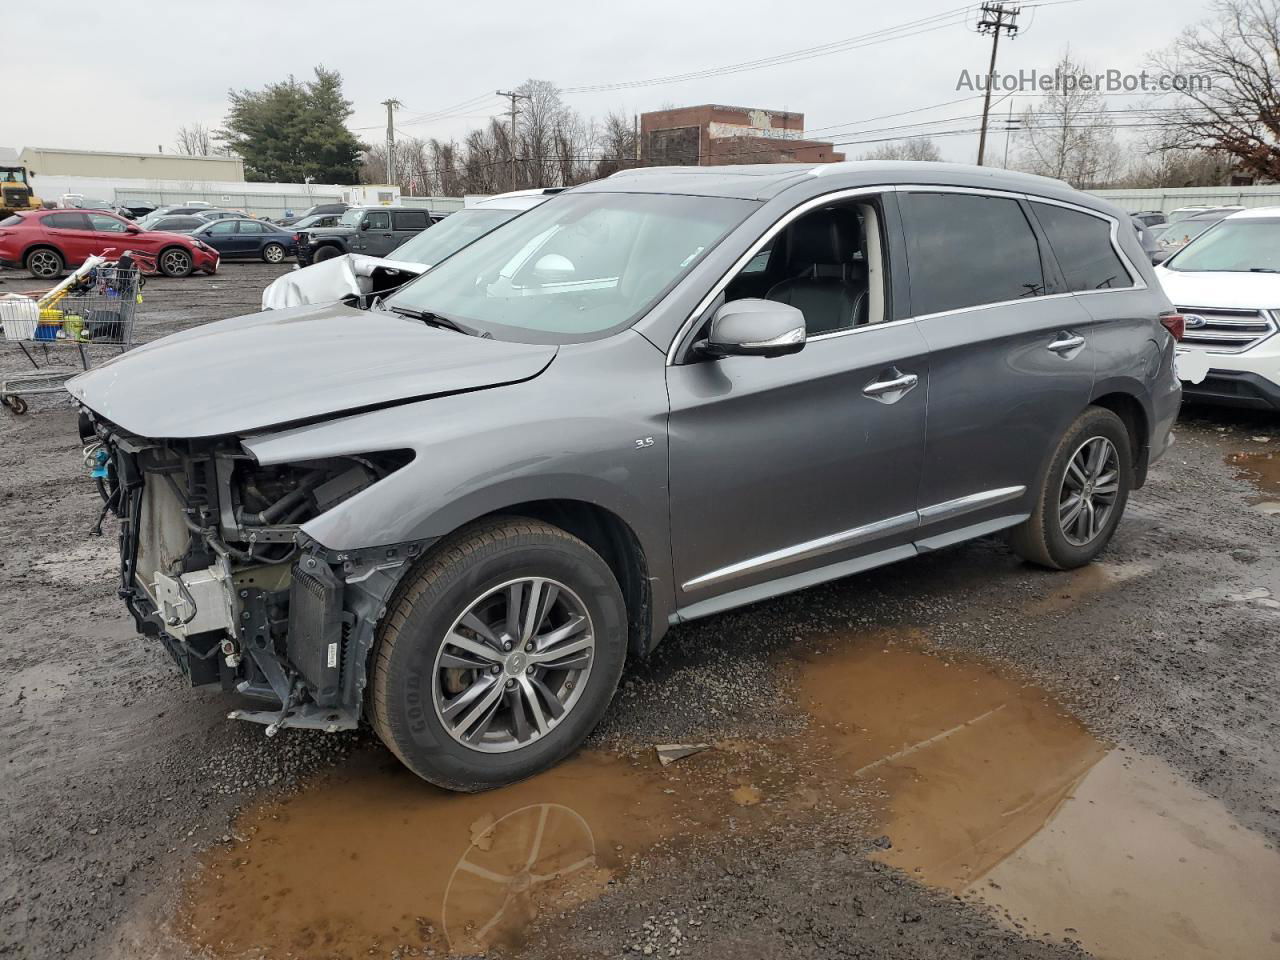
66	221
966	250
1082	244
249	226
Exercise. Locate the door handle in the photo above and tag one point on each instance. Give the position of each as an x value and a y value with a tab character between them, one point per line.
1066	343
900	383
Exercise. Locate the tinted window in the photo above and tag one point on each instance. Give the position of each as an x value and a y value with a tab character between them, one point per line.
249	226
67	221
11	221
1082	244
410	219
178	223
105	224
966	250
378	220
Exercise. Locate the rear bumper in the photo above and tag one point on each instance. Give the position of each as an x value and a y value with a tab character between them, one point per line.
1234	388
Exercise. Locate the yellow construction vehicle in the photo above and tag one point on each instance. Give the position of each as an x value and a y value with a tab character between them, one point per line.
15	191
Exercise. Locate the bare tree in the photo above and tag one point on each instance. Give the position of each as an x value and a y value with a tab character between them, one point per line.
1069	135
195	140
914	149
1157	161
1230	68
616	144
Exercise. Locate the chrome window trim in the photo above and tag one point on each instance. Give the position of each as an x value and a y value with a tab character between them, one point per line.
1135	277
946	510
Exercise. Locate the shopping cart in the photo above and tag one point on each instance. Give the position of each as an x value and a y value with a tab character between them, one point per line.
94	307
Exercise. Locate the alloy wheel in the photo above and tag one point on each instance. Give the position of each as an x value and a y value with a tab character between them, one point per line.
175	263
514	664
274	253
1089	490
44	264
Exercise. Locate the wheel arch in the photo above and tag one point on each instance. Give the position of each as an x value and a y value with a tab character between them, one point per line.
1126	405
609	535
43	245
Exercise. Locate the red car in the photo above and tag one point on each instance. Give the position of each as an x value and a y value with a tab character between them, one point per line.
46	242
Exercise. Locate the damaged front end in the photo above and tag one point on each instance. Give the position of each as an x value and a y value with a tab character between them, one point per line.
215	564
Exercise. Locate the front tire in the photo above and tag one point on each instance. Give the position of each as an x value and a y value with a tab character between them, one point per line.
325	253
1083	495
500	654
273	253
175	262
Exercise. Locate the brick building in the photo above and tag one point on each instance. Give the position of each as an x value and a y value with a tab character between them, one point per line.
712	134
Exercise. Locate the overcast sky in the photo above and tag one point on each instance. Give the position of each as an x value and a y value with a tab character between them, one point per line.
127	75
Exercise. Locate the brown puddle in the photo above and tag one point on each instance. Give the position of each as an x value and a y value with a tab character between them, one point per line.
972	763
1262	470
1085	582
973	775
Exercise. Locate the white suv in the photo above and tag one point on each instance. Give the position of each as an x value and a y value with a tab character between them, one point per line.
1226	284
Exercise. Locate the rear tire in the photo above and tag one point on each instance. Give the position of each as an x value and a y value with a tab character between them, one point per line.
325	253
1059	536
45	263
273	253
457	602
175	262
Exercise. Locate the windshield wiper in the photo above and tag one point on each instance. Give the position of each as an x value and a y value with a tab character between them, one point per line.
1263	270
435	320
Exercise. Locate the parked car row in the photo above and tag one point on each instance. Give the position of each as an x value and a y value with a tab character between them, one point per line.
46	242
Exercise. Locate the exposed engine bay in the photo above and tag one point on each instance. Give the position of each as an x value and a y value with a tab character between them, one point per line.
214	562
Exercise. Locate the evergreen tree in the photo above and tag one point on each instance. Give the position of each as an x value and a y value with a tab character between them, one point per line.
291	130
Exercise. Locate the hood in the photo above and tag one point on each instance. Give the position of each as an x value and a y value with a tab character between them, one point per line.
267	369
330	231
1228	291
167	235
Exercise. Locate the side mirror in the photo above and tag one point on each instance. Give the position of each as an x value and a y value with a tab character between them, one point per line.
364	224
555	266
754	328
130	228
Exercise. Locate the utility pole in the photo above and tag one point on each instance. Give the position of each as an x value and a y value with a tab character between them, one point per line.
996	17
1009	126
391	138
511	174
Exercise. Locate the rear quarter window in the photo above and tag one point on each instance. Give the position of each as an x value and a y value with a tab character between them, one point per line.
1082	245
409	219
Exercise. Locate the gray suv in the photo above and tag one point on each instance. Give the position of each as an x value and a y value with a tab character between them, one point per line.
371	231
650	399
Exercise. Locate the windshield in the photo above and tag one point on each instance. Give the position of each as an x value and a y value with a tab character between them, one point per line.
576	267
1184	231
351	218
450	235
13	174
1235	246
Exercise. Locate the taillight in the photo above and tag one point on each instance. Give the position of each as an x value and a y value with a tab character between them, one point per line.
1175	323
297	238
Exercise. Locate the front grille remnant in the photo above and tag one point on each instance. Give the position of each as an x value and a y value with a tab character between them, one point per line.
1220	330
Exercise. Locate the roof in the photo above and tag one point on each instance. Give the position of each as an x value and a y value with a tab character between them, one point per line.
763	181
117	153
8	157
1255	213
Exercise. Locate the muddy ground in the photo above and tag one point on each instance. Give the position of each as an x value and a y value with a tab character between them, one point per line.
958	756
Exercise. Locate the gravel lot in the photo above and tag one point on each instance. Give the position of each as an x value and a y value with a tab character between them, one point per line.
118	782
